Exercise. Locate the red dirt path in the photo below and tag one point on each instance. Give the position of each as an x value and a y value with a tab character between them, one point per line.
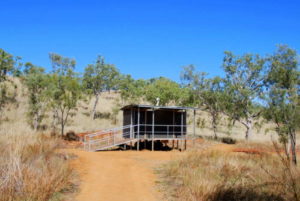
124	175
118	175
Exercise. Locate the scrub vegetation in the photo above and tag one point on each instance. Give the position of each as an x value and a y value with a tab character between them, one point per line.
257	94
31	168
236	173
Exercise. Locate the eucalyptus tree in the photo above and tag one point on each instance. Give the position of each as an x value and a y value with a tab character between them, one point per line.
207	93
8	66
131	90
164	90
64	90
244	88
36	82
100	77
283	87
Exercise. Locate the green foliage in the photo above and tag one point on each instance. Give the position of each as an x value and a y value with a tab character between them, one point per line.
165	89
62	66
283	86
36	82
244	87
132	91
207	93
8	66
64	90
251	83
100	77
135	91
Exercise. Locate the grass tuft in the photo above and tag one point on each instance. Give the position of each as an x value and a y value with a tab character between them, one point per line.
31	169
218	175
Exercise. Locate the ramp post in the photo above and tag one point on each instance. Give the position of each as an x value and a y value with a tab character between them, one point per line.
114	135
89	145
145	130
174	124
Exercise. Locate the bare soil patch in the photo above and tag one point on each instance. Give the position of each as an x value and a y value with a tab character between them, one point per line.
119	175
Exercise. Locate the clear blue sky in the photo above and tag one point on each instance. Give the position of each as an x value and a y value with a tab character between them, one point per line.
147	38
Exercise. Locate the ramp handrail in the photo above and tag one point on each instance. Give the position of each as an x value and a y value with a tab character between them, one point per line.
121	135
108	137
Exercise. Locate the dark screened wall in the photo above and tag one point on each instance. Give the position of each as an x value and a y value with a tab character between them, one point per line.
162	117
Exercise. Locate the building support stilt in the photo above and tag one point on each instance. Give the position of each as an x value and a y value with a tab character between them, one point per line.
153	122
152	145
181	141
131	131
138	130
145	130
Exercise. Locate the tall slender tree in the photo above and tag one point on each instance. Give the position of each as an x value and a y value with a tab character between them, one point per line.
100	77
283	87
35	80
244	88
206	93
8	66
64	90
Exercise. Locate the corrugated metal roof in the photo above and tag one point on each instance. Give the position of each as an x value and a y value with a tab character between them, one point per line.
158	107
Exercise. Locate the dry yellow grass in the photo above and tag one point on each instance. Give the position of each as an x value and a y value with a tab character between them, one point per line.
15	120
31	169
222	175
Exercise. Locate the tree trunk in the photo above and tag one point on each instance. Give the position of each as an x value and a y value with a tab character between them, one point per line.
248	125
62	126
62	123
62	129
54	121
35	121
287	147
214	126
293	146
95	105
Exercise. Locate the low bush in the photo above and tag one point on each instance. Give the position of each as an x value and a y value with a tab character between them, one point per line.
228	140
71	136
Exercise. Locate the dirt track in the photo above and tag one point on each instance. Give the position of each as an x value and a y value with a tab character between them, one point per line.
119	175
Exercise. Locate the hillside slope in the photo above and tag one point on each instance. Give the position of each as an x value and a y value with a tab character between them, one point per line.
15	118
